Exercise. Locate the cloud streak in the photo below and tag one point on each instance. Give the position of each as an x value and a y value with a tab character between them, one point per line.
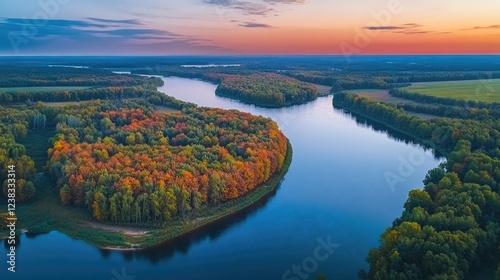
406	29
383	27
496	26
255	8
92	33
255	25
286	1
116	22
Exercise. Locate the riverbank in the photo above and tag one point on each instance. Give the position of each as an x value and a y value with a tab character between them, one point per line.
174	230
46	214
420	140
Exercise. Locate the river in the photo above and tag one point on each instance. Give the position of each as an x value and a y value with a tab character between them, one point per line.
348	181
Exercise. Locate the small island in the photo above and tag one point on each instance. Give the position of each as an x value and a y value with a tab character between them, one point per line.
267	90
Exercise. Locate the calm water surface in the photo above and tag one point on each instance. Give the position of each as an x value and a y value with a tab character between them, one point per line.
336	189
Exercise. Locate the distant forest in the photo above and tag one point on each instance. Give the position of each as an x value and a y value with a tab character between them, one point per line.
268	90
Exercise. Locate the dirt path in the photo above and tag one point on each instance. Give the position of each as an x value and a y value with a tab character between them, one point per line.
124	230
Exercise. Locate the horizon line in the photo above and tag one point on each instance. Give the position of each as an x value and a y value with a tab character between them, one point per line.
251	55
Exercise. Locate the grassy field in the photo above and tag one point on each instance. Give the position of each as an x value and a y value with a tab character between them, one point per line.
323	90
37	144
477	90
165	109
381	95
62	104
38	89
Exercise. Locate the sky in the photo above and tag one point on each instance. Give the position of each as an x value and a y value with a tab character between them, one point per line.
249	27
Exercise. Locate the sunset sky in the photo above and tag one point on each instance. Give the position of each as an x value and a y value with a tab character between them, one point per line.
232	27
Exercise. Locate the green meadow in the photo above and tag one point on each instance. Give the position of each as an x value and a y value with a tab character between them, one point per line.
477	90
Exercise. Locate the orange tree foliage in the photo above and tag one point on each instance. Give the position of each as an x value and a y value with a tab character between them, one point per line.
131	165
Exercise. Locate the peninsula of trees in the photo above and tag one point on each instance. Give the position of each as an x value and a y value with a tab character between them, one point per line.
132	165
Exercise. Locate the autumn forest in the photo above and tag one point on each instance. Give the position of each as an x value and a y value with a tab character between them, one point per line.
111	153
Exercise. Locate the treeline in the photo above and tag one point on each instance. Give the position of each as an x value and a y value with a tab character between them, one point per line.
443	132
129	165
423	98
118	92
432	63
33	76
76	95
210	74
339	80
109	93
348	80
447	228
448	111
267	90
66	95
106	85
446	107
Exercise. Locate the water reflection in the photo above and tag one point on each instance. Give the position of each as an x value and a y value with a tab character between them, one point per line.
7	245
31	235
393	134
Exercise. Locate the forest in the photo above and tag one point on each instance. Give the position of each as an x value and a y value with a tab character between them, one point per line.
267	90
107	86
266	63
36	76
451	225
15	124
347	80
133	165
125	162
